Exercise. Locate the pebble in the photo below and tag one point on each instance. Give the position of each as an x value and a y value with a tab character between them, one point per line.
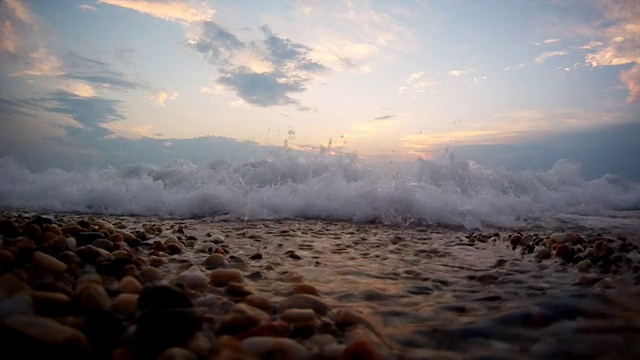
93	296
156	261
361	349
149	274
7	261
276	348
174	248
163	297
241	318
192	278
104	244
303	301
215	261
91	254
130	285
298	316
543	253
237	290
50	303
584	265
159	329
305	289
46	331
220	277
177	353
565	252
125	304
259	302
48	263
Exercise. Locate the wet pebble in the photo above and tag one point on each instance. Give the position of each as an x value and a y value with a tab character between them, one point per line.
125	304
220	277
54	336
163	297
93	296
192	278
277	348
303	301
177	353
130	285
215	261
47	262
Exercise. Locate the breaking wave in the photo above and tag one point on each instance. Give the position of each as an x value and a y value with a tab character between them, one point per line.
324	187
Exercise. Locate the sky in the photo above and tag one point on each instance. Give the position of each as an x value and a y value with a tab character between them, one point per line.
100	79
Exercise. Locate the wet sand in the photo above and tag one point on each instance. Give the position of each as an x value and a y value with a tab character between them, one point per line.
370	290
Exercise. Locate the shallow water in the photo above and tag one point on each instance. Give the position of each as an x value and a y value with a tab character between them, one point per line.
430	292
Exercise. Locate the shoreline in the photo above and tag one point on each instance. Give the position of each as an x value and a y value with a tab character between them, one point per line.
309	288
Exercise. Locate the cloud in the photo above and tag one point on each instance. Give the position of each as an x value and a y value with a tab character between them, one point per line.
417	83
385	117
90	112
85	7
41	63
343	54
167	10
21	11
23	49
545	42
218	45
162	97
458	73
618	41
632	79
512	127
544	56
79	89
262	73
266	89
98	73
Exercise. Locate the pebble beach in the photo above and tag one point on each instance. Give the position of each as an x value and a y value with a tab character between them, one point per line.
113	287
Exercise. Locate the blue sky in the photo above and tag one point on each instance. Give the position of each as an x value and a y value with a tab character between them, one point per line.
408	78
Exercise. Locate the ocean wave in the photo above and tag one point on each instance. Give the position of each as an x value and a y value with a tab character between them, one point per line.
324	187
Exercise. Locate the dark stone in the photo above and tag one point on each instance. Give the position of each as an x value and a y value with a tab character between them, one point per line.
236	324
103	329
160	329
86	238
163	297
113	268
84	224
8	228
42	221
104	244
257	256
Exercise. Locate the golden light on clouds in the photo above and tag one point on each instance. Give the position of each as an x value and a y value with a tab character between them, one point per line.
161	97
167	10
79	89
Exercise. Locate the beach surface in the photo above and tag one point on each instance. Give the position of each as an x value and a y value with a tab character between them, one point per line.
129	287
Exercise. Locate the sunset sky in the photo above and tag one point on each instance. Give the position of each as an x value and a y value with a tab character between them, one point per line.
374	77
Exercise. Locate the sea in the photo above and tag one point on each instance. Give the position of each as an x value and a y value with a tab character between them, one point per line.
347	188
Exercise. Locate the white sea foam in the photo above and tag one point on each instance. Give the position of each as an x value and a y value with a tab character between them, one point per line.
323	187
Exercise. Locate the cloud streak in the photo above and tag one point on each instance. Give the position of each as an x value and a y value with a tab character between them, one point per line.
167	10
547	55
